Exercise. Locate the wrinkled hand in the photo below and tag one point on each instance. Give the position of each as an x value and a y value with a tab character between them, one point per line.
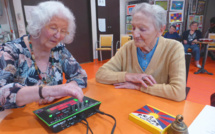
69	89
143	79
48	100
185	41
128	85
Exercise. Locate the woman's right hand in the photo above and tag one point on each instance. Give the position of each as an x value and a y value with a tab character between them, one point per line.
143	79
68	89
185	41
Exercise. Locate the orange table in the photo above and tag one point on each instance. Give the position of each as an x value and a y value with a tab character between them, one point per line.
117	102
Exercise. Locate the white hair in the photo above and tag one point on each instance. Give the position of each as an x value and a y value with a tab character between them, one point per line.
157	13
44	12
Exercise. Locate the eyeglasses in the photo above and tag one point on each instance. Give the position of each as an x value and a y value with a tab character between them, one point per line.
55	30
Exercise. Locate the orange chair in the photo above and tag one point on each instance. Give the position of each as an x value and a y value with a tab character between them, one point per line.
105	44
123	39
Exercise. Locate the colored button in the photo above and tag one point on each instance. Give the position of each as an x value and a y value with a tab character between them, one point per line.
75	99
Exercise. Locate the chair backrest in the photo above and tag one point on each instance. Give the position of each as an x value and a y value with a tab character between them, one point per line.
106	40
211	36
124	38
187	62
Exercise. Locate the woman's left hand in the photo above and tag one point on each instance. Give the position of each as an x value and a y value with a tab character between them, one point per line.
48	100
128	85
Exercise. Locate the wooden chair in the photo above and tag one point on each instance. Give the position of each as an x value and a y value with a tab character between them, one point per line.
211	46
105	44
123	39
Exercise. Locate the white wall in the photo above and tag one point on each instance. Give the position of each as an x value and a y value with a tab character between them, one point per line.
4	18
94	27
19	17
123	4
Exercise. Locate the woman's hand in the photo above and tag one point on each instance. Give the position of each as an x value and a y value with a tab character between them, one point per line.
193	42
48	100
185	42
68	89
143	79
128	85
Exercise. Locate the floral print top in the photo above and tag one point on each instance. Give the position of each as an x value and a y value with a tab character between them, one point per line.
17	70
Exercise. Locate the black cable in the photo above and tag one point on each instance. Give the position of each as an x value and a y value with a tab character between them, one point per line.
114	126
87	124
89	127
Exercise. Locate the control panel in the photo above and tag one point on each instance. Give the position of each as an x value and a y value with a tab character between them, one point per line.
66	113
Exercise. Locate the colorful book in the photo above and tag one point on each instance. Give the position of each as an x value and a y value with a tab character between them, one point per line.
152	119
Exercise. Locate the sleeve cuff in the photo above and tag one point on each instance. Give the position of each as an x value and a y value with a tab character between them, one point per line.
121	77
144	89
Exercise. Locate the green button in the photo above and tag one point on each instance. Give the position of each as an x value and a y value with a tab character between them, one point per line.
50	115
75	99
86	101
76	110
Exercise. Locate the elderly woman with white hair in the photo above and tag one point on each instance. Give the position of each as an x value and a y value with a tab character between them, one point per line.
32	67
149	63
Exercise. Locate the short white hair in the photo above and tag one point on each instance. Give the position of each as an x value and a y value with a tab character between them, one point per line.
44	12
157	13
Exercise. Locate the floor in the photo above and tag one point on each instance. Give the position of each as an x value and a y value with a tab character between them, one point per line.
201	85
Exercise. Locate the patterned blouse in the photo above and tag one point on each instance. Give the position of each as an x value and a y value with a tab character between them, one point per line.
17	70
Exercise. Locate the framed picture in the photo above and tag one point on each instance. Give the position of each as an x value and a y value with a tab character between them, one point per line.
175	17
200	20
129	9
128	32
193	6
190	19
128	27
128	19
200	8
162	3
177	5
197	18
179	28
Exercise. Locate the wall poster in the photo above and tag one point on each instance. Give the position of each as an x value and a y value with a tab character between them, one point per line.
177	5
175	17
129	9
162	3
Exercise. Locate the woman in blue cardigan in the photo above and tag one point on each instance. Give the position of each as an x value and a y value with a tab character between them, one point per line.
191	36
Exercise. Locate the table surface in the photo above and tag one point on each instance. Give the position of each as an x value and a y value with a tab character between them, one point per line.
202	42
117	102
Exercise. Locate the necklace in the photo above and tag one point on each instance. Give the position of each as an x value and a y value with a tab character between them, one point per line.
45	80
